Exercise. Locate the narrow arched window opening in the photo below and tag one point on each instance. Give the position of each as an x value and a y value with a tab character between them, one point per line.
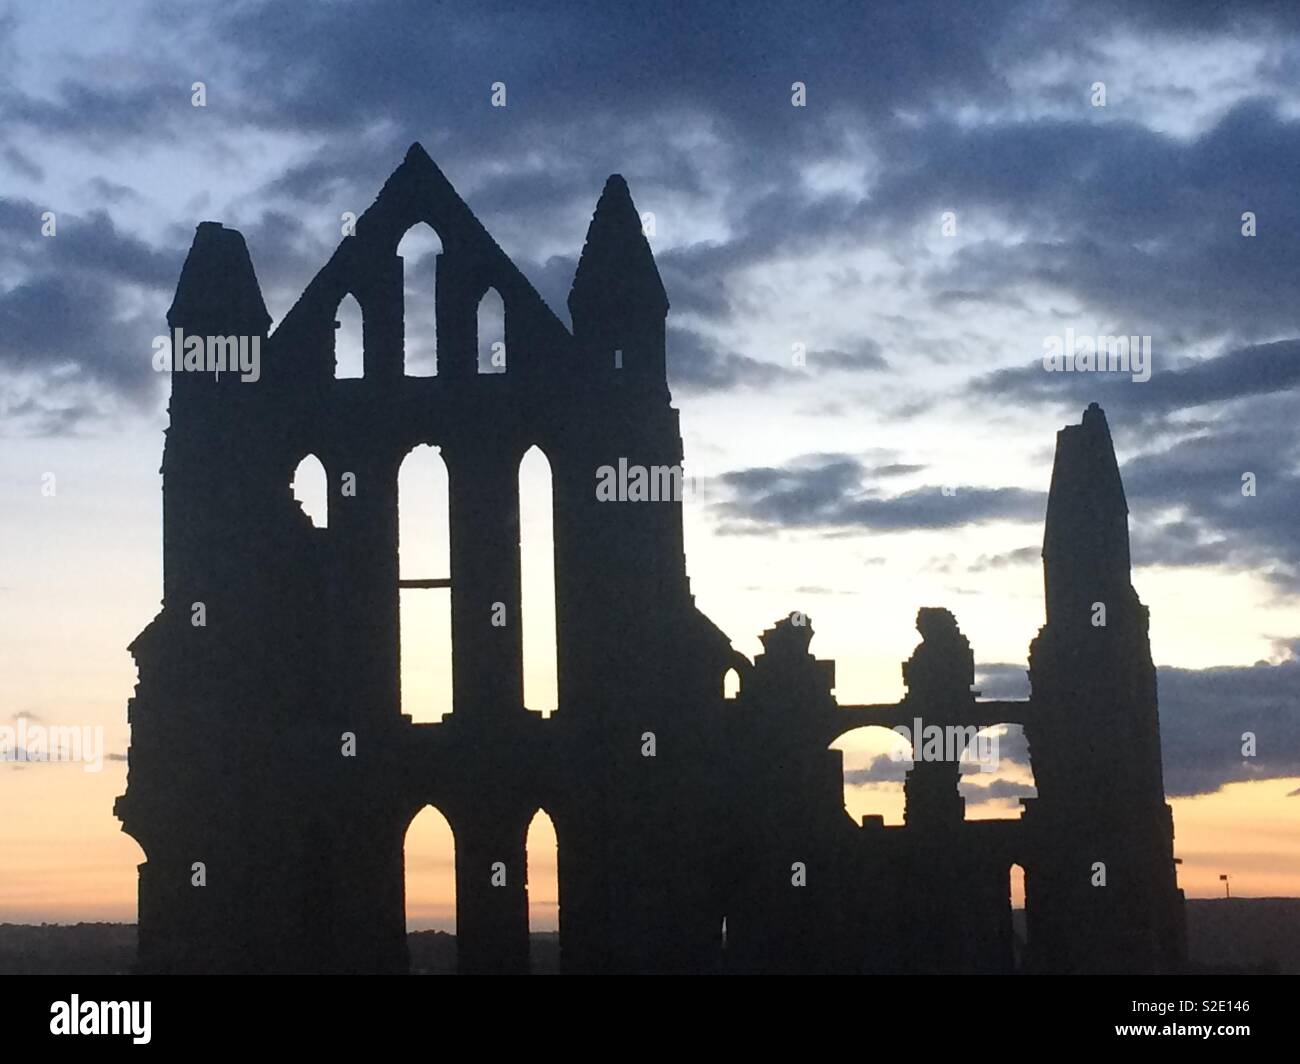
731	684
349	344
419	250
537	576
543	887
424	582
492	352
310	490
430	864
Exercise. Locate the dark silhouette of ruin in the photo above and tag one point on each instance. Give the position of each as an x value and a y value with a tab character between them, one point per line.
729	849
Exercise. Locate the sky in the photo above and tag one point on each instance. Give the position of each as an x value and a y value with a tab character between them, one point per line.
862	289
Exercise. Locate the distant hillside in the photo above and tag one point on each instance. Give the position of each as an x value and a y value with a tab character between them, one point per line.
1244	933
66	949
1223	935
99	949
434	952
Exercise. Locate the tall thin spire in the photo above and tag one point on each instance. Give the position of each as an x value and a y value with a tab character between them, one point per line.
1085	538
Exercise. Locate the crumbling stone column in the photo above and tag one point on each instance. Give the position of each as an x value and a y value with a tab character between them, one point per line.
938	675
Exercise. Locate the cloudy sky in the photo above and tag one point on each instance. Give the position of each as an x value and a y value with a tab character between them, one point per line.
861	289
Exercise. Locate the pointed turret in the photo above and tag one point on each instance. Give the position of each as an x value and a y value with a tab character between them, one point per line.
218	293
218	317
618	302
617	272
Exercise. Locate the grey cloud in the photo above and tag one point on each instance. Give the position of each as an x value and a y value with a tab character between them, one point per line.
866	356
1185	487
1199	478
882	769
695	365
1019	556
1001	791
1247	371
527	168
1204	714
1003	681
829	493
1109	204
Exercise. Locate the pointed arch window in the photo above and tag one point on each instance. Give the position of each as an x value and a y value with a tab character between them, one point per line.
419	250
423	586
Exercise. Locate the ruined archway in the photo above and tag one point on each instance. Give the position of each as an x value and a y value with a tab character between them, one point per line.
996	773
876	760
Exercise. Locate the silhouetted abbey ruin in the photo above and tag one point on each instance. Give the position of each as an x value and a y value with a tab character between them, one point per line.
241	726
